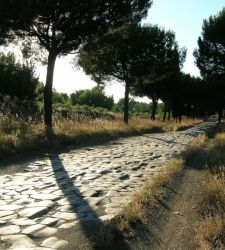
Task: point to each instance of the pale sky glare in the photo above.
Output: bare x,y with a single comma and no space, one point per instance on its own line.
183,17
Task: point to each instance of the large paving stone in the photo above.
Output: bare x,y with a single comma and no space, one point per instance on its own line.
19,241
22,222
54,243
9,207
7,230
45,232
113,193
45,197
33,212
5,213
45,203
68,225
89,193
69,201
38,231
69,216
50,221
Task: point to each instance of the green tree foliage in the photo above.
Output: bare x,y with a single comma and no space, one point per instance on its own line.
92,97
130,52
16,79
62,98
210,58
62,26
134,106
74,97
171,61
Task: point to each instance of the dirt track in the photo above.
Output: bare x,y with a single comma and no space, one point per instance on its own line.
173,226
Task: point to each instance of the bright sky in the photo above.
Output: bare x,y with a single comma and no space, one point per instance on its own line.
183,17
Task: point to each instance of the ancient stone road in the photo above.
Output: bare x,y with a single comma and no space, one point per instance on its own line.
82,185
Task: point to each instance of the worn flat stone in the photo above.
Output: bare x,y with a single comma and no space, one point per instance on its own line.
5,213
113,193
45,203
45,232
38,231
69,216
10,217
9,207
50,221
68,225
22,222
7,230
19,241
50,197
89,193
32,229
33,212
67,201
54,243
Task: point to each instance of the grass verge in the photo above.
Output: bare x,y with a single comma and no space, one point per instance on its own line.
211,231
18,136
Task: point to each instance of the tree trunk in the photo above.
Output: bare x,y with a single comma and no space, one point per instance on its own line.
126,102
154,108
169,114
48,93
220,114
164,112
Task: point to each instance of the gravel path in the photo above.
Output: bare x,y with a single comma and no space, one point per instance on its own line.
85,185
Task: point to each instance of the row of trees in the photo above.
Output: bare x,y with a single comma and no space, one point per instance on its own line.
134,55
148,60
112,45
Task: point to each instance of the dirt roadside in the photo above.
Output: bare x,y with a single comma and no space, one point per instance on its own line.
174,221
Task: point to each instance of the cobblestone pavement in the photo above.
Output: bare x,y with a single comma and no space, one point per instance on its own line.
82,185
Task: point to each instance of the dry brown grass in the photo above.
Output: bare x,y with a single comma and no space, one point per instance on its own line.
136,124
154,189
194,148
16,136
19,136
211,231
213,198
216,153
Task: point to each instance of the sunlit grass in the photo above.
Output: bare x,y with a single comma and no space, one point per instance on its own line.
153,190
211,231
17,135
194,148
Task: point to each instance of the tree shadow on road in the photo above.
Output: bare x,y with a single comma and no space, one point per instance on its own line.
90,225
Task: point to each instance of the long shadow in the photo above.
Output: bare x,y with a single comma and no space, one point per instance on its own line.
88,224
